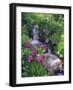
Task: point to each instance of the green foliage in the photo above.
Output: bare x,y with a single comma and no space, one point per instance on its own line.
60,48
39,51
24,35
34,69
25,52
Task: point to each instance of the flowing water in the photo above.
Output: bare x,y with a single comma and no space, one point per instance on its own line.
35,34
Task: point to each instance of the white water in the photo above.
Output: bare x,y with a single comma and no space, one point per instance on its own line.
35,38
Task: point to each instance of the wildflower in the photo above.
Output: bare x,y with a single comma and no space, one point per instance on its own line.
39,58
30,59
33,52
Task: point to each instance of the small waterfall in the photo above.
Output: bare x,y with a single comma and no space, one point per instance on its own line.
35,35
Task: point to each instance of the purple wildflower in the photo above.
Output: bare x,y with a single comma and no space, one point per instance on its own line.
30,59
39,58
33,52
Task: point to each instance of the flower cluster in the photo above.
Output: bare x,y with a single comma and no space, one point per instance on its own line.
36,54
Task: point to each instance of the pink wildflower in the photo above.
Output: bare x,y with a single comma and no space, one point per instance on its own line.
30,59
33,52
39,58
